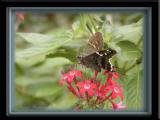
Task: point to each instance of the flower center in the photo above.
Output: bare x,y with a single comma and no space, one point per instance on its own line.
116,90
86,86
72,73
65,77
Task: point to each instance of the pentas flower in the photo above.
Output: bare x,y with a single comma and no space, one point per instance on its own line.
109,81
76,73
111,74
118,106
75,92
116,91
94,88
101,92
86,86
69,77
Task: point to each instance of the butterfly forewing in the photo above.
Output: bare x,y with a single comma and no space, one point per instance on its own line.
95,43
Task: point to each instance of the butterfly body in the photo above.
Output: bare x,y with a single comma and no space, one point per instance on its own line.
96,57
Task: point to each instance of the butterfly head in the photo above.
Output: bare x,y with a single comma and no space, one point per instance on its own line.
110,53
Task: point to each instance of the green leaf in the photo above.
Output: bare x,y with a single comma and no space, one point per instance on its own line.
24,101
68,53
50,65
133,91
35,38
66,102
35,54
129,50
43,88
132,32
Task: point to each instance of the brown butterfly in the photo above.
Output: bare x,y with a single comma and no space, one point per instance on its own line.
96,57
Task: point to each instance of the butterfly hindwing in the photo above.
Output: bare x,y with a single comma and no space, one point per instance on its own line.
90,61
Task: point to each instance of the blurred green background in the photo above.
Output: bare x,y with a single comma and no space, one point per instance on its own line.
47,43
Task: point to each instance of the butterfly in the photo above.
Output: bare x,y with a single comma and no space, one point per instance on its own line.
96,56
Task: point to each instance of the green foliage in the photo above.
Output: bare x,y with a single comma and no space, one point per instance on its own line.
40,58
133,91
41,48
129,50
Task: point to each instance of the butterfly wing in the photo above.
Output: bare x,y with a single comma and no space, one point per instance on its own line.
90,61
104,61
108,65
95,43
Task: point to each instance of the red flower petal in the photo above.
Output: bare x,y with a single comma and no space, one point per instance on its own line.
90,92
109,81
118,105
73,90
86,86
75,73
113,95
115,75
80,84
70,76
70,79
105,72
82,91
65,76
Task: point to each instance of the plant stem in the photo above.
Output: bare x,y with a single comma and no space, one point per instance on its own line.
140,40
125,64
92,22
105,99
87,98
75,81
96,100
133,65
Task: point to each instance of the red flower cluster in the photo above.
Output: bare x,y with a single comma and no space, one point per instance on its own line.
88,89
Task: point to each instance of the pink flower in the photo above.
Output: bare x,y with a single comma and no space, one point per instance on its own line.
70,76
116,91
101,92
118,106
75,73
115,75
86,86
73,91
111,74
109,81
